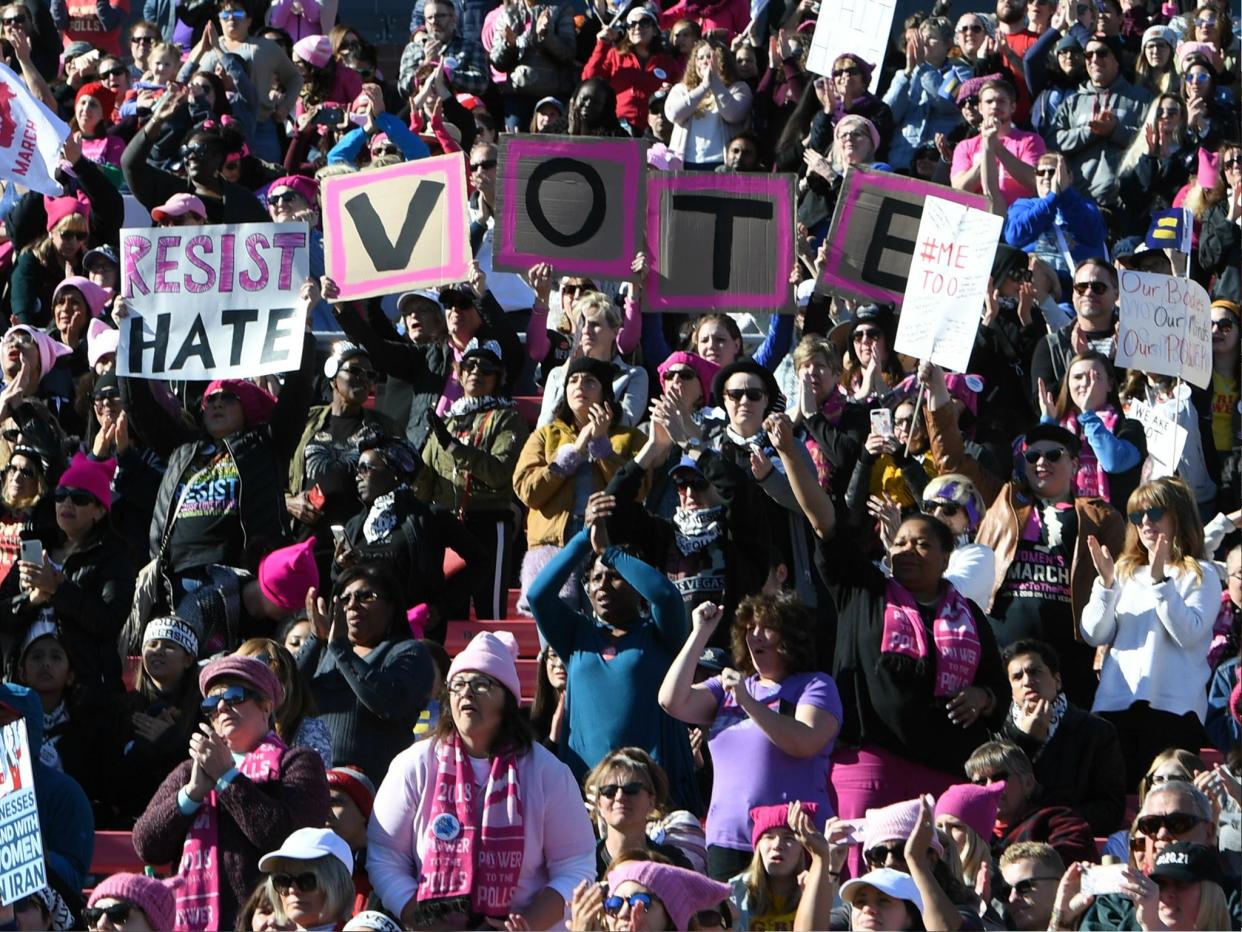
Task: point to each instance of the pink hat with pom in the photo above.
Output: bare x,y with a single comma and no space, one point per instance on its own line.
94,476
683,892
974,806
493,653
100,340
95,296
49,350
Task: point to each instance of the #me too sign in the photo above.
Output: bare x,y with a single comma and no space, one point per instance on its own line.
212,302
22,871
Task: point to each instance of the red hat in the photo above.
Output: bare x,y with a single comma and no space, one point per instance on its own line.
766,818
973,806
286,574
356,785
257,404
94,476
101,92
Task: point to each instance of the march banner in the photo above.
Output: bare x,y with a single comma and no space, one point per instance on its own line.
30,136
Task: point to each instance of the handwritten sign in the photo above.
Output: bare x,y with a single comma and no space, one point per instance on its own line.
858,26
1166,439
947,284
1165,327
212,302
22,871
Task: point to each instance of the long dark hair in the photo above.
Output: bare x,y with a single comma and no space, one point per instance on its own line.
546,700
799,122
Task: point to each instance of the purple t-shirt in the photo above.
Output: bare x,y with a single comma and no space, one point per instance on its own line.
751,771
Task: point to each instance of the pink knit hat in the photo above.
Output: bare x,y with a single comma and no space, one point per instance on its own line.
101,339
94,476
249,670
58,208
152,896
704,367
975,806
49,350
94,295
286,574
765,818
257,404
896,823
314,50
682,892
417,618
308,188
493,653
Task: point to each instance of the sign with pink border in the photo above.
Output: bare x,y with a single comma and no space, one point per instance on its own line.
398,228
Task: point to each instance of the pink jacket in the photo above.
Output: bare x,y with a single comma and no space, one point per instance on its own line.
298,25
560,845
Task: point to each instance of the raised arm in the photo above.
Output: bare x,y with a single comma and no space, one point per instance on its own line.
682,698
555,619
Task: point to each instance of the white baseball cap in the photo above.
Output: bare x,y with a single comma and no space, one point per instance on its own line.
308,844
898,885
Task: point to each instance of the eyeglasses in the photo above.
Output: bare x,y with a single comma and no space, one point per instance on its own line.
1052,455
235,15
975,27
363,467
361,596
476,687
285,197
117,913
1175,823
846,72
479,366
306,883
232,697
1151,514
680,375
950,509
750,394
1198,77
24,472
1097,53
1224,325
79,497
879,855
1026,887
1095,287
113,72
357,372
485,165
867,333
613,904
986,779
1022,275
633,788
693,483
141,40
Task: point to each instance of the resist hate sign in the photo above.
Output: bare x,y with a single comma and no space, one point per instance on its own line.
22,871
1165,327
212,302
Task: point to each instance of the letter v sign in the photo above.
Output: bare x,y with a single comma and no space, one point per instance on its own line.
386,255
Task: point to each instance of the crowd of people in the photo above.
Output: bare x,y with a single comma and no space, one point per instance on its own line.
830,637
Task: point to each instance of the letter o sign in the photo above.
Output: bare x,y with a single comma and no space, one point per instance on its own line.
595,216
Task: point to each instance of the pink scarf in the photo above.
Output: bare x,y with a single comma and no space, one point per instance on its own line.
832,408
1091,481
956,641
198,896
480,859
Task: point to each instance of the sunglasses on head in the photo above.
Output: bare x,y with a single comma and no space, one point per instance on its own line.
1050,456
950,509
1095,287
306,883
750,394
879,855
1176,823
79,497
1151,514
1025,888
613,904
233,696
633,788
117,913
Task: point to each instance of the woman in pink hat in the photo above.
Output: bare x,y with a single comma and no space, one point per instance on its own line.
436,860
41,267
645,896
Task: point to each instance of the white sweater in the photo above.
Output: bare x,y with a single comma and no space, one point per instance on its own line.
1159,637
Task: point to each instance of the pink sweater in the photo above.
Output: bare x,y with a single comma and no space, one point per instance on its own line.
560,845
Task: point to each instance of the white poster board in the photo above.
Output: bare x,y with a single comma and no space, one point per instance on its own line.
22,871
858,26
212,302
1165,327
947,284
1165,439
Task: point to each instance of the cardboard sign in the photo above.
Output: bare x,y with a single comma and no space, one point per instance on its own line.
576,203
947,284
22,871
1165,439
719,242
30,136
1165,327
858,26
398,228
212,302
874,231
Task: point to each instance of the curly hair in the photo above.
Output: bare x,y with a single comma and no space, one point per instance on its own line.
783,613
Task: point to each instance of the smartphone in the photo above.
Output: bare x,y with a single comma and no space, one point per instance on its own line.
32,551
329,116
1100,879
882,422
338,533
855,837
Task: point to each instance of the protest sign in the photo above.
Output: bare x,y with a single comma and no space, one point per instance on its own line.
574,202
719,242
874,229
1166,439
858,26
1165,327
30,136
397,228
22,871
947,283
212,302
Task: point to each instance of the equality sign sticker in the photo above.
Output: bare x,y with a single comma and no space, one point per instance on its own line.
22,871
397,228
576,203
212,302
1165,327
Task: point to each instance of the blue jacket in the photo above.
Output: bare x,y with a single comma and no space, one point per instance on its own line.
1029,226
350,145
919,108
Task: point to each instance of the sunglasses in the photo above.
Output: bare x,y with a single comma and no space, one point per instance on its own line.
235,15
1097,53
113,72
1233,162
361,596
195,151
613,904
79,497
357,372
879,855
1045,173
639,24
750,394
476,687
24,471
1206,23
1021,275
1081,288
365,468
285,197
138,40
985,779
975,28
970,101
1198,77
484,165
1151,514
14,21
846,72
1176,823
950,509
1024,888
633,788
233,696
680,375
73,234
117,913
1051,456
11,434
1224,325
306,883
479,366
1169,112
384,150
108,394
693,483
20,338
220,398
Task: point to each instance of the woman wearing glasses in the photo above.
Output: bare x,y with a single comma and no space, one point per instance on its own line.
310,880
241,793
130,902
24,503
1159,162
368,678
1220,240
1208,123
428,846
845,93
1153,605
41,266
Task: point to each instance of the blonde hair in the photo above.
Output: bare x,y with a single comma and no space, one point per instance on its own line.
1138,148
165,49
813,345
1173,495
1200,199
334,880
590,301
972,853
759,889
45,250
1213,908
